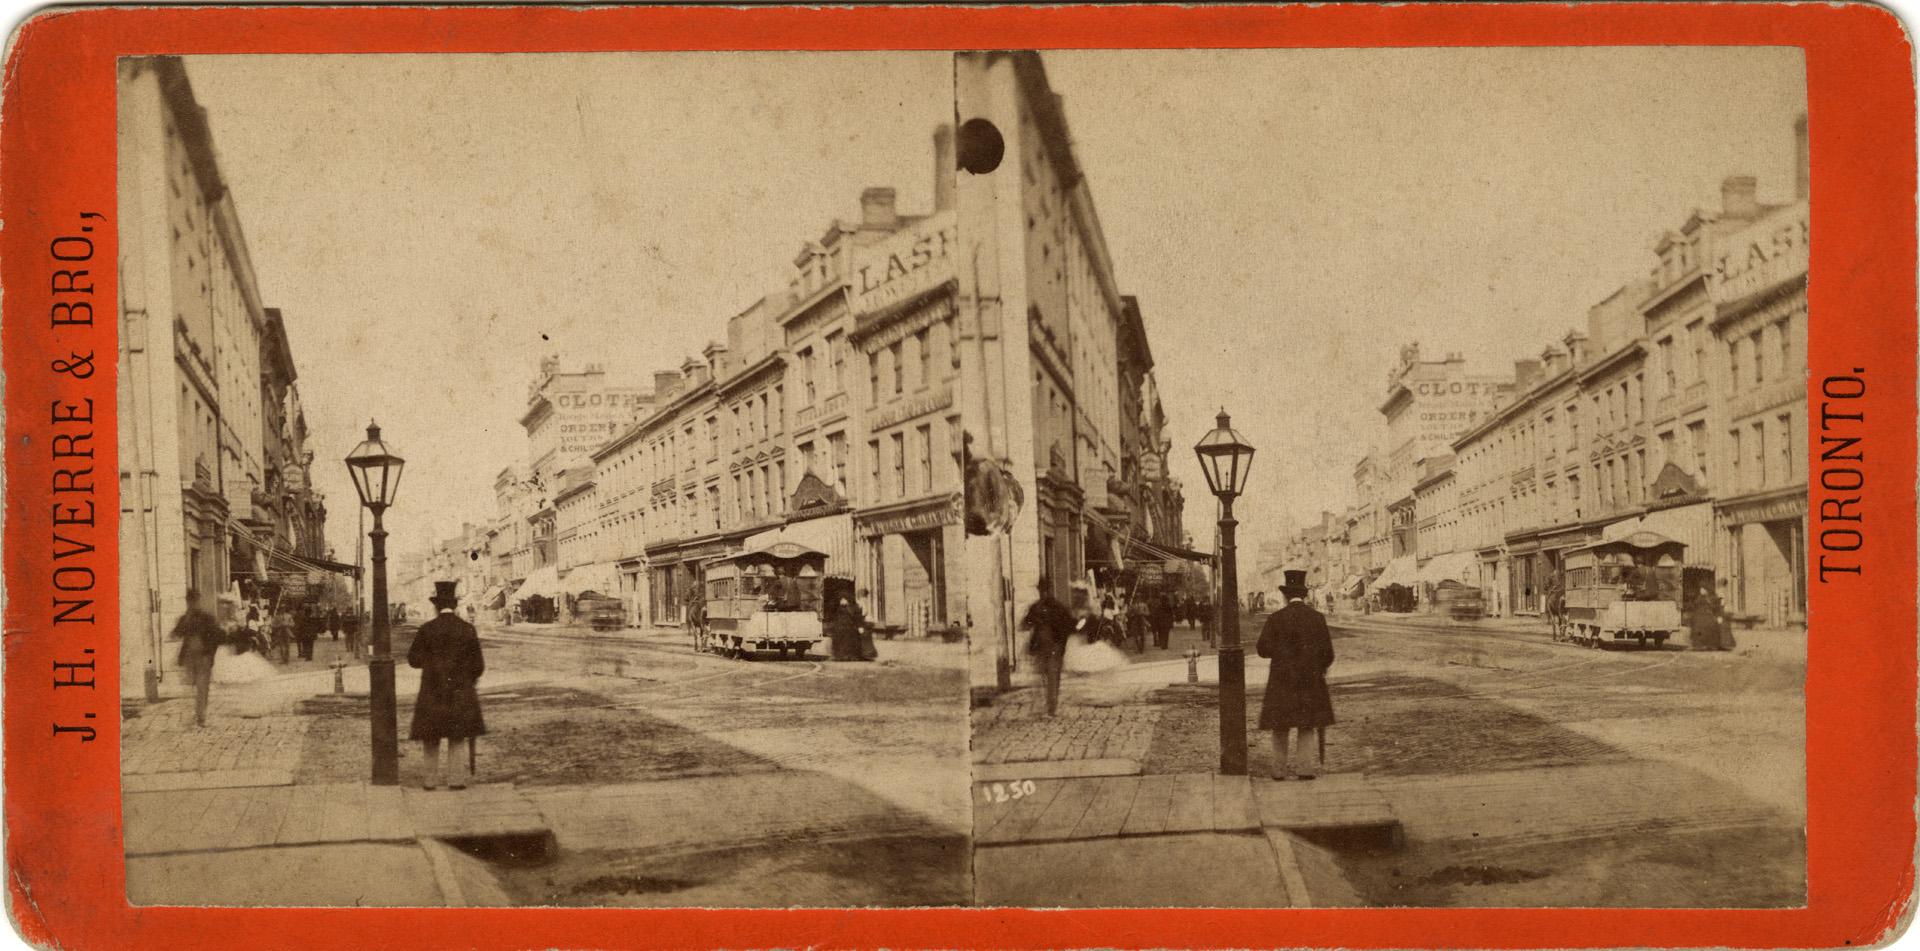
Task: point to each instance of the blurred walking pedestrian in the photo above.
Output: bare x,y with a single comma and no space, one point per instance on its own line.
446,650
1050,624
306,631
199,637
1296,642
283,634
1160,615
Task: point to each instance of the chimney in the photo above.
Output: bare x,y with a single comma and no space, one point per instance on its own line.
1525,374
1576,343
713,353
1801,165
694,371
876,209
665,382
943,167
1739,196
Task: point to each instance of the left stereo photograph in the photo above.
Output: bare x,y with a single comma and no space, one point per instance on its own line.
542,481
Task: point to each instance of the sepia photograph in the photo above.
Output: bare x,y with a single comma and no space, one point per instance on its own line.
1393,483
543,481
1059,479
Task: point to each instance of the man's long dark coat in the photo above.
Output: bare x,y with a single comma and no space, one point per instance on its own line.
447,652
1299,650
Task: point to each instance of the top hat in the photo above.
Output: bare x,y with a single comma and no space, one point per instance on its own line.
1295,582
443,594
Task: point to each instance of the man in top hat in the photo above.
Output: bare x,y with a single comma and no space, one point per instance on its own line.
1299,649
447,652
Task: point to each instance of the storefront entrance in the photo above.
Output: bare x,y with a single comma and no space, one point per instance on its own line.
909,581
1770,572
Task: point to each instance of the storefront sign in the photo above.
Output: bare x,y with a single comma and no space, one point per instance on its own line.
911,260
925,516
1764,254
1774,510
908,409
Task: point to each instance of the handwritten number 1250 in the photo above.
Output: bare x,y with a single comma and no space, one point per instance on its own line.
1002,792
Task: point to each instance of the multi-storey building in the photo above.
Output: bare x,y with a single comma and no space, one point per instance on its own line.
828,418
1059,398
212,441
1758,284
1678,410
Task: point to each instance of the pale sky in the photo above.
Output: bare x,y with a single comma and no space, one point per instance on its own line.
1289,218
430,225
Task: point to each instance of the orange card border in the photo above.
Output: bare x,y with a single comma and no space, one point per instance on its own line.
67,881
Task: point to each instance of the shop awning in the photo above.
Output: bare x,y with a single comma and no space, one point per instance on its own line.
543,582
1401,571
1139,549
1690,525
1353,585
1461,566
829,534
493,598
597,576
279,561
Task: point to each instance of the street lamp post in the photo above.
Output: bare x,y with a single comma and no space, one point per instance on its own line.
376,476
1225,459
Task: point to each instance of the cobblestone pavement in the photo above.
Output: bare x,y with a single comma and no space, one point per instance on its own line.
1016,729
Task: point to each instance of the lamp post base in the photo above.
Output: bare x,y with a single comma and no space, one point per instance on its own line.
1233,711
386,722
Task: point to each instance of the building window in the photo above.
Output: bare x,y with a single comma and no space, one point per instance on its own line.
713,437
781,499
1666,365
925,463
807,370
1733,460
837,448
1697,336
1759,358
806,457
1697,437
837,350
899,441
924,348
1785,428
898,362
953,343
873,470
1787,369
1760,454
1733,366
766,418
873,378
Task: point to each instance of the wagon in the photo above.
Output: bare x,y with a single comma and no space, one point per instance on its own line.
1625,591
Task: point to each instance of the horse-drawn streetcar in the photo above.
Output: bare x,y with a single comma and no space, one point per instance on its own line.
765,601
1624,591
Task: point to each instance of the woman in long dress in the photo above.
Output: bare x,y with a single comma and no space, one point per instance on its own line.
235,662
1094,653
